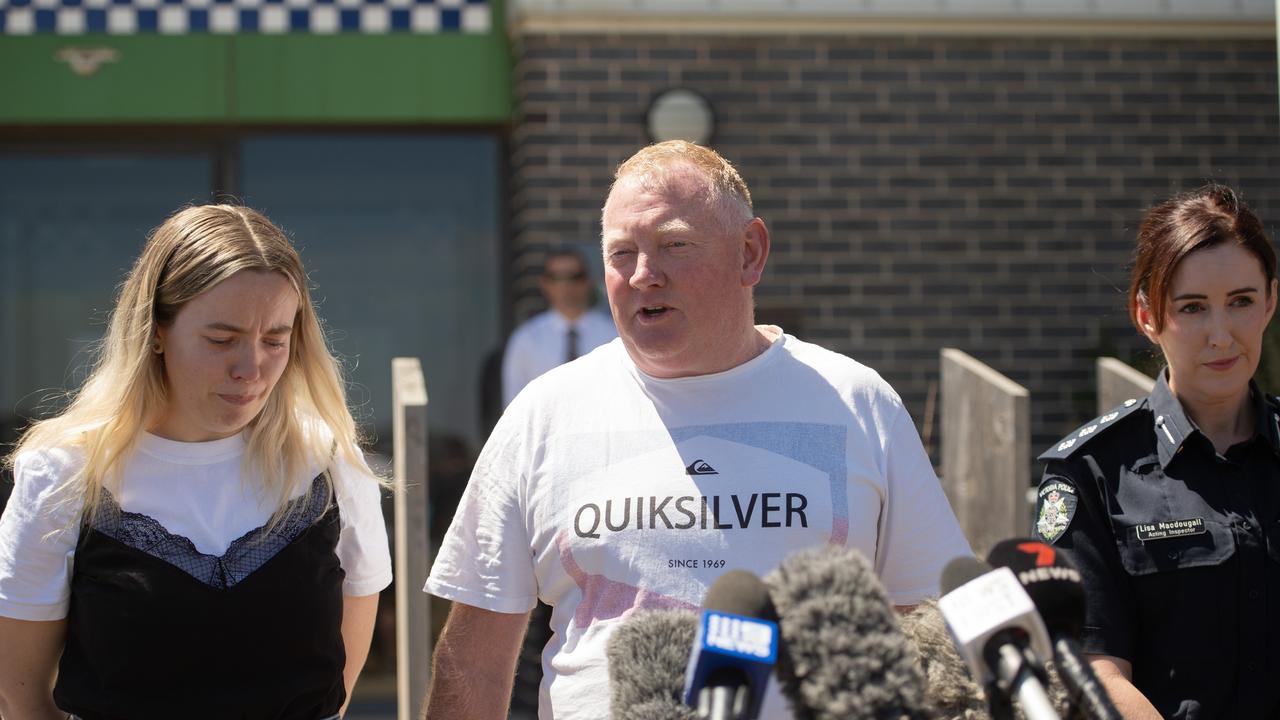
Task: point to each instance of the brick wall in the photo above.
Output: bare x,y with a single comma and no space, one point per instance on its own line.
922,192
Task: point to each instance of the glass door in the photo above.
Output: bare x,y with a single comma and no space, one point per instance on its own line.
401,236
71,223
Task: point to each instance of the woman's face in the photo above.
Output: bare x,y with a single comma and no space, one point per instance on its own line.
1219,304
223,354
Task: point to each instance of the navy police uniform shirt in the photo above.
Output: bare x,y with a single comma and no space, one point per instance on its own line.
1179,548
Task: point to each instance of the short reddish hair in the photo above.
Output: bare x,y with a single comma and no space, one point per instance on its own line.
724,185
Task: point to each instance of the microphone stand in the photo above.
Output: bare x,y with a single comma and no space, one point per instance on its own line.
1081,682
999,706
1015,667
723,700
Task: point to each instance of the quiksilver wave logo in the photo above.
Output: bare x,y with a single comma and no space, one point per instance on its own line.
700,467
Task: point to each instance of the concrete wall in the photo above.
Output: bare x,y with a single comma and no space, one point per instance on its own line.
412,547
986,450
1118,382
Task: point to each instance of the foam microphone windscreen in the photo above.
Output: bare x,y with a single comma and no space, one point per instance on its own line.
844,655
950,692
647,654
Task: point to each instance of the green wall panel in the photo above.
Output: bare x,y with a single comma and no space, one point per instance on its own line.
155,78
294,78
451,78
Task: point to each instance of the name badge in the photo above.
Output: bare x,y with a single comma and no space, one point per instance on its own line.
1164,529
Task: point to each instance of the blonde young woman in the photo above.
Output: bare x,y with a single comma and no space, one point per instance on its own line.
197,535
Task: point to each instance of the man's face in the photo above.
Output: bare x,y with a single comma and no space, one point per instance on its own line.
679,275
566,285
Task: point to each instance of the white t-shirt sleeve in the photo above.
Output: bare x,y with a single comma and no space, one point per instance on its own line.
38,534
919,533
486,559
362,545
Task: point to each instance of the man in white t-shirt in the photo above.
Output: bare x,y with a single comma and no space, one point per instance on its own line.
565,331
696,443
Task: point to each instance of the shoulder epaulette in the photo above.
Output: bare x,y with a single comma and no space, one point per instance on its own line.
1077,438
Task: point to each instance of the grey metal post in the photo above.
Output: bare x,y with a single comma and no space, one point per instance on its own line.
1118,382
413,552
986,450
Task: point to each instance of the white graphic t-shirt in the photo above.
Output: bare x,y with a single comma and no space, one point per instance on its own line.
603,491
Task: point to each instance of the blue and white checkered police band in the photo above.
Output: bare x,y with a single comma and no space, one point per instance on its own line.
180,17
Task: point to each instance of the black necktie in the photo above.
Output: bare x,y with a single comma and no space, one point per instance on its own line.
571,348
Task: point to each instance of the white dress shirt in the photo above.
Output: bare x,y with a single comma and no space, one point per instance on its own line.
542,343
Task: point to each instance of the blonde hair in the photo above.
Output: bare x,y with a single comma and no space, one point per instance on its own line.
193,250
656,164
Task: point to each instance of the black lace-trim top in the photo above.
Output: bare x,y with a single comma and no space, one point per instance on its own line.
244,555
157,630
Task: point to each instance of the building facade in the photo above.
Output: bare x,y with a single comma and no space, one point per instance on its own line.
935,173
965,174
373,132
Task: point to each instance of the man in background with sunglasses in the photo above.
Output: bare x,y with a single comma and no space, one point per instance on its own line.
569,328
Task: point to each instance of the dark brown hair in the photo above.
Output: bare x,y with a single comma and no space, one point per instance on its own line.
1189,221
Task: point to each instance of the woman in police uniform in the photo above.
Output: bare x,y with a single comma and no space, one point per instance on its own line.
1170,504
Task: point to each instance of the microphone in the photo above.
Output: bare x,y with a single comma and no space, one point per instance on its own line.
734,649
647,655
1054,585
844,655
999,635
950,692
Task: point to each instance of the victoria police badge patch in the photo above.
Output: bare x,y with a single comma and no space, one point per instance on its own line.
1055,506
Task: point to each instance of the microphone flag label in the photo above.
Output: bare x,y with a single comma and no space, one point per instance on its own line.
985,606
1044,553
751,638
739,644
